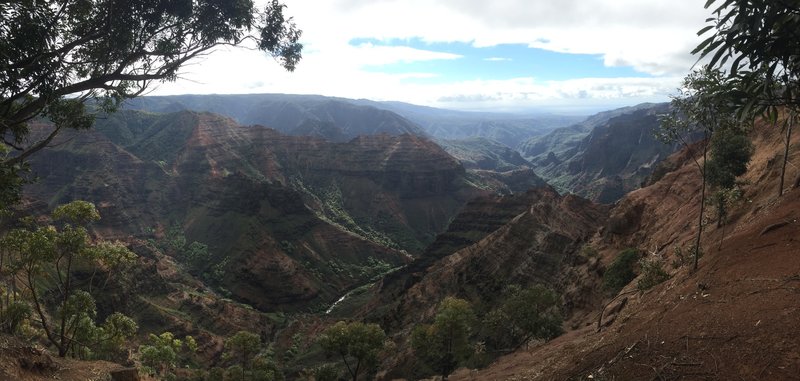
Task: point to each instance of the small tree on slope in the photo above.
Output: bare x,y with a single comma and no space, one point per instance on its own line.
703,105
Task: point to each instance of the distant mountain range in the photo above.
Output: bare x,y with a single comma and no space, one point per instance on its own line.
332,119
340,119
506,128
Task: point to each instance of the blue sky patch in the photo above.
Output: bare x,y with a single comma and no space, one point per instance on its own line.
497,63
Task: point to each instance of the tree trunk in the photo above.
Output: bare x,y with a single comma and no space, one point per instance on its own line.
65,341
702,207
786,152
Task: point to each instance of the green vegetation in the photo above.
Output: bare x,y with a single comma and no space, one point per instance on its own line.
164,352
620,272
705,104
58,57
357,344
755,41
652,274
11,181
523,314
444,345
42,259
324,372
334,212
195,256
241,348
588,251
249,359
730,152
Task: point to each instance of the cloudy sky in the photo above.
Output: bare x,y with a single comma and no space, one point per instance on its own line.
570,56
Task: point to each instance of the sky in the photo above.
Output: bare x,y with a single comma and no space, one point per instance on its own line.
565,56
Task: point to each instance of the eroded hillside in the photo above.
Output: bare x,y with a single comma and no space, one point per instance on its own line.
293,221
734,318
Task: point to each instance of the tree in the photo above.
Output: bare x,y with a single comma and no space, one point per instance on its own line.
11,182
242,347
620,272
757,42
250,360
358,344
704,104
162,352
730,153
44,257
445,344
524,314
57,55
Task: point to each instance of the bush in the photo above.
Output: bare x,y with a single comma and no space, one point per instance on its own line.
356,343
523,314
444,345
620,273
652,274
13,315
325,372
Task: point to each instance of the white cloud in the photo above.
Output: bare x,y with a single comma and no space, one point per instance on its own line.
653,36
497,59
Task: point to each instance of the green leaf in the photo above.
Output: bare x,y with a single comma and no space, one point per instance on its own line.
704,30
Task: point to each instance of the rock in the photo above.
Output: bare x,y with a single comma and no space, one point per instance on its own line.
125,374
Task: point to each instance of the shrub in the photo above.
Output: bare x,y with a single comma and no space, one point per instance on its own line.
444,345
325,372
620,273
652,274
356,343
523,314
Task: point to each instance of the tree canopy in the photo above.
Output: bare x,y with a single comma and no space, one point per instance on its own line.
55,55
358,344
524,314
42,259
444,345
758,41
